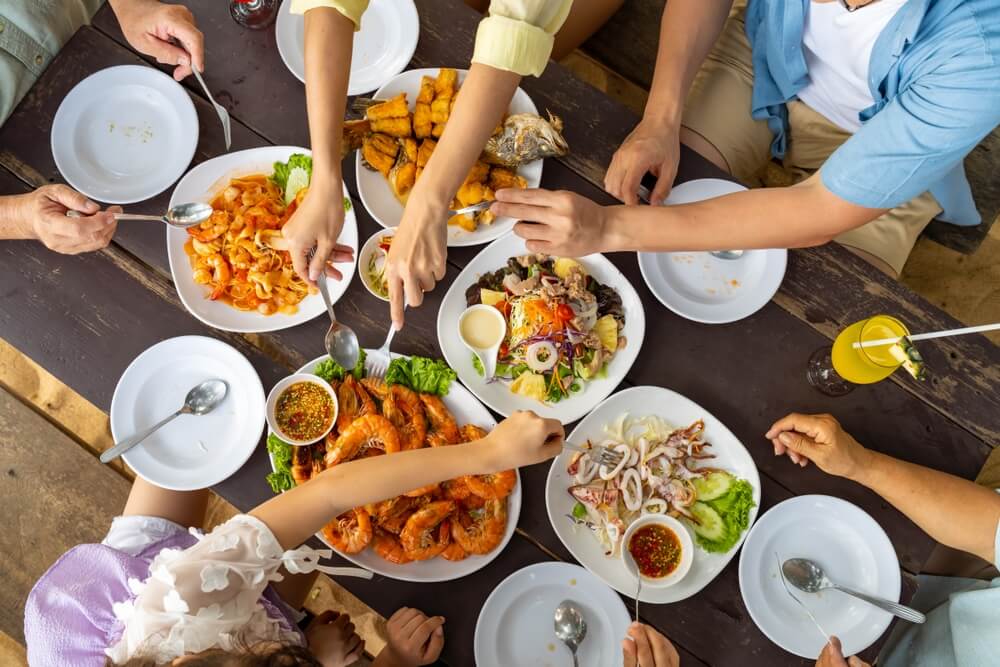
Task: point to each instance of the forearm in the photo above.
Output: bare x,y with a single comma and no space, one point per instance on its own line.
954,511
300,512
790,217
329,37
688,29
12,222
481,105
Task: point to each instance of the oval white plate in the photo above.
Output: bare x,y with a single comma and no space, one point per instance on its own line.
467,410
497,395
706,289
201,184
680,412
377,196
515,623
853,550
124,134
191,452
382,48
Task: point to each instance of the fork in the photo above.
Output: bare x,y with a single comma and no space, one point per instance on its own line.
378,360
475,208
605,456
219,109
800,602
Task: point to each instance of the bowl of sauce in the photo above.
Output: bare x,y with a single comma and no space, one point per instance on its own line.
661,547
301,409
482,328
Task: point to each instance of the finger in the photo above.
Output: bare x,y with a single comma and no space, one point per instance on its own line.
399,615
334,272
439,272
397,304
318,262
352,644
327,616
629,654
424,631
533,231
71,199
661,647
543,247
166,53
356,653
523,211
808,424
531,196
412,624
435,645
855,661
414,294
192,40
341,253
644,652
664,182
631,181
301,264
614,175
798,443
342,620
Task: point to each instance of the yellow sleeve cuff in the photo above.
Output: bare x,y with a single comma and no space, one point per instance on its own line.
352,9
511,45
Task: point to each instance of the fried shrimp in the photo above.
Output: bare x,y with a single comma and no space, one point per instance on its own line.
388,547
403,408
427,533
493,486
454,552
441,420
480,531
350,532
369,431
353,402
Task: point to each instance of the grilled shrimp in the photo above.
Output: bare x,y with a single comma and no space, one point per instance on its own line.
454,552
369,431
441,420
388,547
350,532
353,402
302,464
481,531
402,407
427,533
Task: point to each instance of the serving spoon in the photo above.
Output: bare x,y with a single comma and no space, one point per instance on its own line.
340,341
570,627
181,216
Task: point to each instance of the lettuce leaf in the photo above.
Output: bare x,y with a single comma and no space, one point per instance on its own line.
422,375
282,169
328,369
281,479
734,507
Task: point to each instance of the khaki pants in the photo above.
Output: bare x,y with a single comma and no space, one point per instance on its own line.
718,109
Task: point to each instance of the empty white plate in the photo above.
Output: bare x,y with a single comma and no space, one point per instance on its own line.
191,452
707,289
124,134
382,48
515,623
853,550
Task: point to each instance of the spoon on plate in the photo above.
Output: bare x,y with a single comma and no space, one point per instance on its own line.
201,400
808,576
570,627
340,341
181,216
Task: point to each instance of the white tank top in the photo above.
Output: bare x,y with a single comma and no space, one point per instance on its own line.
837,45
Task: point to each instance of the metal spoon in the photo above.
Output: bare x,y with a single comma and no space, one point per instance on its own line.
201,400
181,216
341,342
727,254
808,576
570,627
633,569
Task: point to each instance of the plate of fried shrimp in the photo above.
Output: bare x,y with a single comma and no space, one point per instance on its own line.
437,533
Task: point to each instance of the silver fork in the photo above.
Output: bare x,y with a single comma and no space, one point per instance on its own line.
378,360
605,456
475,208
219,109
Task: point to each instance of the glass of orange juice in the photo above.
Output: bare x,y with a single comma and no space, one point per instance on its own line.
835,370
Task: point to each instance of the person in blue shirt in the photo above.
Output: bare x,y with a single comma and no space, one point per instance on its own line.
871,104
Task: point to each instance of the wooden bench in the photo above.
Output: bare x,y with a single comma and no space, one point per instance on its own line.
627,44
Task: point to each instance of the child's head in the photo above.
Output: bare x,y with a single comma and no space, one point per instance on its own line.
262,654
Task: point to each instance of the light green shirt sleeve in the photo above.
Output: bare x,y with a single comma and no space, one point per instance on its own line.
518,35
352,9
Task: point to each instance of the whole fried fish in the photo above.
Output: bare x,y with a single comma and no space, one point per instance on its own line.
525,137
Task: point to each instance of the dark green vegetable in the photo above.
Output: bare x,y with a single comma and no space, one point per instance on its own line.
422,375
328,369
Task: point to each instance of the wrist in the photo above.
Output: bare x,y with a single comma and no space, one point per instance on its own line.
432,208
617,233
864,466
663,115
15,212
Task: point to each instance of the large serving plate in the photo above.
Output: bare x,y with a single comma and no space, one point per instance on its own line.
201,184
378,197
381,49
467,410
679,412
497,395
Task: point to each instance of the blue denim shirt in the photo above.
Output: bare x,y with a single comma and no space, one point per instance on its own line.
935,78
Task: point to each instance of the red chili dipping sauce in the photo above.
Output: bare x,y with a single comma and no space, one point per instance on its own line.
656,550
304,411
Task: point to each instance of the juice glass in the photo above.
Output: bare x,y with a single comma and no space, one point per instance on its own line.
835,371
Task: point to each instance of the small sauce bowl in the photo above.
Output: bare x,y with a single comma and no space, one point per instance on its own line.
279,389
369,251
683,536
482,329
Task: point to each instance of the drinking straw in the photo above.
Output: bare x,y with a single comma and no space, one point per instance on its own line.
928,336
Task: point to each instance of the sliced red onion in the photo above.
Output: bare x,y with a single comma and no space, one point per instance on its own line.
533,359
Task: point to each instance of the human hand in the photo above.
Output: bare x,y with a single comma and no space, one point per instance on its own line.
820,439
152,27
645,647
316,225
332,640
414,639
522,439
42,215
417,256
653,147
833,657
556,223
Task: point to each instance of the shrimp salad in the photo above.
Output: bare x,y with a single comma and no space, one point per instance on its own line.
563,326
662,470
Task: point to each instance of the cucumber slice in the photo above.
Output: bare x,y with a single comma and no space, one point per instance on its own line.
298,178
713,485
710,525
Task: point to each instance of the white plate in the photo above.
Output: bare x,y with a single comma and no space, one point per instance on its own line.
124,134
377,196
515,623
191,452
679,412
467,410
382,48
497,395
200,185
707,289
853,550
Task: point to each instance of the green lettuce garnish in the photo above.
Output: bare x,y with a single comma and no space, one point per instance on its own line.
422,375
734,507
281,479
328,369
283,169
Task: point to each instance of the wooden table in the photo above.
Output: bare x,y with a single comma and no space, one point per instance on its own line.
85,318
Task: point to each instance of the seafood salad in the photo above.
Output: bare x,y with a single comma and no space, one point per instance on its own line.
398,144
661,470
375,269
563,327
453,519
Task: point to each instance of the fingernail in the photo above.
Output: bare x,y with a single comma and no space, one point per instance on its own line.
438,631
785,438
91,204
183,60
770,434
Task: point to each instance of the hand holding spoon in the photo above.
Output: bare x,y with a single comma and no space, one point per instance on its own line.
181,216
201,400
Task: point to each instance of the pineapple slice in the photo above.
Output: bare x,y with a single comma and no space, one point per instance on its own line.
907,355
491,297
606,329
563,265
531,385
